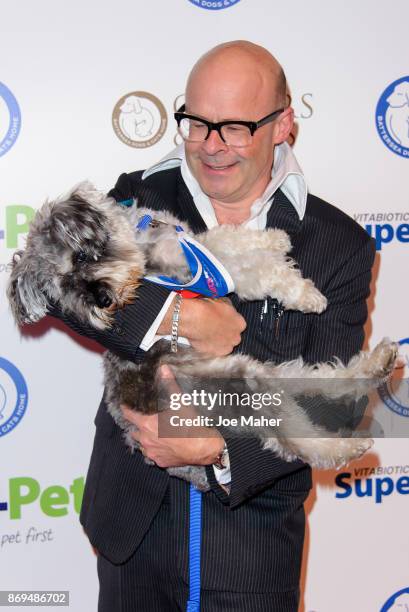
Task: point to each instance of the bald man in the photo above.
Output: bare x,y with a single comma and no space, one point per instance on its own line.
235,167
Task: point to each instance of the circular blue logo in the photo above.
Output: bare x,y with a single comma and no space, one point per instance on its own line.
392,116
398,601
13,396
14,121
214,5
395,392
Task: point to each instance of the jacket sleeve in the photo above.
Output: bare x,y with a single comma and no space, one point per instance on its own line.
132,322
337,332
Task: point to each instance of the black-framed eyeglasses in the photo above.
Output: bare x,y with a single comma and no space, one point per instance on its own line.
232,132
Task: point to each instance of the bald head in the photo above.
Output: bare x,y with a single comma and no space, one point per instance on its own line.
250,67
239,83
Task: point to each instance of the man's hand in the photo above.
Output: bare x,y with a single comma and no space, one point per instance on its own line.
178,451
213,327
172,452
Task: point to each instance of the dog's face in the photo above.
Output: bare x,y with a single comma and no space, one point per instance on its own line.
81,254
132,104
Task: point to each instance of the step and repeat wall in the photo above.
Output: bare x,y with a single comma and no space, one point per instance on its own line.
88,91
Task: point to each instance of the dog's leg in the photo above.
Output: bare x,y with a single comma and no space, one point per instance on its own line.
365,371
297,436
293,435
166,257
322,453
160,244
191,473
272,275
259,267
369,367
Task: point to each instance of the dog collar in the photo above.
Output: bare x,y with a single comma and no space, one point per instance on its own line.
209,277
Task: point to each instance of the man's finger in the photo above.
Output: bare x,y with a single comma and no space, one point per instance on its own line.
130,415
168,379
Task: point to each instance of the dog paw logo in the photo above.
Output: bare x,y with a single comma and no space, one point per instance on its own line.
214,5
395,392
139,119
398,602
10,119
392,117
13,396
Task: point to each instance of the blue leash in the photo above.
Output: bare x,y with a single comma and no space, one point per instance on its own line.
213,280
195,532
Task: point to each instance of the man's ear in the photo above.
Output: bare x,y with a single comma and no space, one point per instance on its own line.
283,126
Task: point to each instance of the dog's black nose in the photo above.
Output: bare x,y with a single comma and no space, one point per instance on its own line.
100,293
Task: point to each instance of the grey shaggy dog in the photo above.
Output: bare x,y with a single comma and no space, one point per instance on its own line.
84,254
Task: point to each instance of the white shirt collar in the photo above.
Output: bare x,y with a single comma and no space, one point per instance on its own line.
286,175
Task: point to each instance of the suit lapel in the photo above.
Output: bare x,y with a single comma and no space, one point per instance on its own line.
188,210
283,215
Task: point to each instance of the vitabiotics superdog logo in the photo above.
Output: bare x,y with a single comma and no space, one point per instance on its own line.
10,119
13,396
214,5
392,116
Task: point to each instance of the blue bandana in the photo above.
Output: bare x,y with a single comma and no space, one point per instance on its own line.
209,277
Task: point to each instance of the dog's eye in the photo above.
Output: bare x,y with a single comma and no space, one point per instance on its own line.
80,257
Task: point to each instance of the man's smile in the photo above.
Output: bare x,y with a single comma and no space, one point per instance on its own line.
218,168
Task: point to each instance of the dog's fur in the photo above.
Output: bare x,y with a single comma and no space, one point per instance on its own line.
83,253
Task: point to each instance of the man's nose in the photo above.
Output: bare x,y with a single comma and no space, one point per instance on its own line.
214,143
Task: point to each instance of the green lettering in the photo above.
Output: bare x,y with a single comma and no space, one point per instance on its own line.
77,490
13,226
54,496
18,498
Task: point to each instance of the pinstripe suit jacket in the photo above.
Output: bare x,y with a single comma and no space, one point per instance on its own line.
123,494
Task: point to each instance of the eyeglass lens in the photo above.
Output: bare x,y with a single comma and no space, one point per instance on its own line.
233,134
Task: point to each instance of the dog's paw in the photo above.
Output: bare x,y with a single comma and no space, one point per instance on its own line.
356,447
310,298
345,450
382,359
330,453
275,239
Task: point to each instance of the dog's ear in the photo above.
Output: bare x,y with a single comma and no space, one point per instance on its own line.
88,192
27,302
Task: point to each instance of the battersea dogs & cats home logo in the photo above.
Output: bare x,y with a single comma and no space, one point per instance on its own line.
139,119
398,602
214,5
392,116
13,396
10,119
